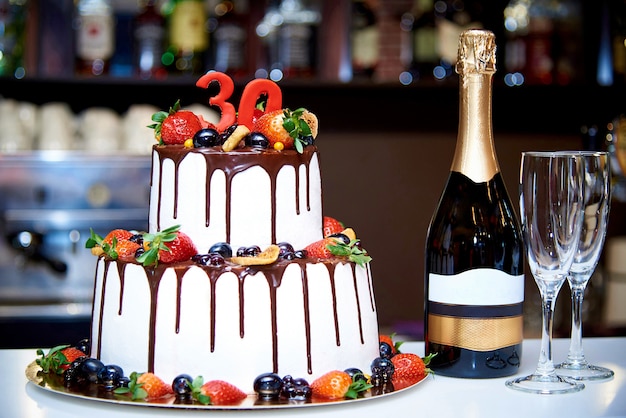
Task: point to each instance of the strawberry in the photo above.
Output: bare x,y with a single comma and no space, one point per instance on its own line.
167,246
332,247
175,126
154,386
337,384
286,129
332,226
58,358
145,386
126,250
256,114
119,234
222,393
115,245
409,369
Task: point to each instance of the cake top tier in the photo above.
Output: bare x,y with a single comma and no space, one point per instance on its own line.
260,121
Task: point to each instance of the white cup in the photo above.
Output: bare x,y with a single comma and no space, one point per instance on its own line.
56,129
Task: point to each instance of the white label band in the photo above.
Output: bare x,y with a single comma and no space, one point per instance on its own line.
476,287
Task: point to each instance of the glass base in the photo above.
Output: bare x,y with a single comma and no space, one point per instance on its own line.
583,371
544,384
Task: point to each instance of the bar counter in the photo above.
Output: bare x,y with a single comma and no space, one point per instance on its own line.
437,396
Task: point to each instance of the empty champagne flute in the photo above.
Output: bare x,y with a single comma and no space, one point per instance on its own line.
551,213
597,198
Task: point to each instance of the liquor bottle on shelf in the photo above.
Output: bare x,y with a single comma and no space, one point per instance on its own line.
474,266
364,40
95,36
289,34
13,17
148,41
188,37
229,47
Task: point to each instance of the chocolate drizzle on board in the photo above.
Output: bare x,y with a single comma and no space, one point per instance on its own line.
273,274
232,163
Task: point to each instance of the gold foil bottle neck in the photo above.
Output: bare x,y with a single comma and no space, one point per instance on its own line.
475,154
477,52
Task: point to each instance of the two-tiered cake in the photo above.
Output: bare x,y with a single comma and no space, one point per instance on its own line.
298,313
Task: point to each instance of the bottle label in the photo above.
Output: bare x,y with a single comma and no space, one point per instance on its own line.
187,26
479,309
96,38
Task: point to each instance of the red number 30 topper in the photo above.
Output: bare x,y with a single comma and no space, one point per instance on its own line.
251,93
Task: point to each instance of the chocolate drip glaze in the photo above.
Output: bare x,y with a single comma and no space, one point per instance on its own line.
358,300
154,280
120,271
273,274
105,274
233,163
331,273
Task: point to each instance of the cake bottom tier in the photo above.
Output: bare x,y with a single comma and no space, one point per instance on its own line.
234,323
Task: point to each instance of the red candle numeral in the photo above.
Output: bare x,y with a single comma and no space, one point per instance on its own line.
251,93
229,115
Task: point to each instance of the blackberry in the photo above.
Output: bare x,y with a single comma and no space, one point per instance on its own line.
109,376
382,371
296,389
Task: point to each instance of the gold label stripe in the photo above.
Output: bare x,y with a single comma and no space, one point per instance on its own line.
477,334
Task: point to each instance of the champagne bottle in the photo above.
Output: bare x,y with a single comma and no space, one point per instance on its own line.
474,267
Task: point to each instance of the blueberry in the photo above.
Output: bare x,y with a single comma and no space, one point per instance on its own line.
206,137
285,247
222,248
181,385
300,254
216,259
256,140
386,351
90,368
252,251
268,385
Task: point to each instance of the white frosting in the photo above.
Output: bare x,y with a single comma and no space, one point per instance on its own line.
251,201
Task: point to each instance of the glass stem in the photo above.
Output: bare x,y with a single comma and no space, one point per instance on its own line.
576,354
549,293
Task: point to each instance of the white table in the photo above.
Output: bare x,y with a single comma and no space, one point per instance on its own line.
437,397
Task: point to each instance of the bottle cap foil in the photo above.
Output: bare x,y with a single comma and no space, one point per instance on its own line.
477,52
